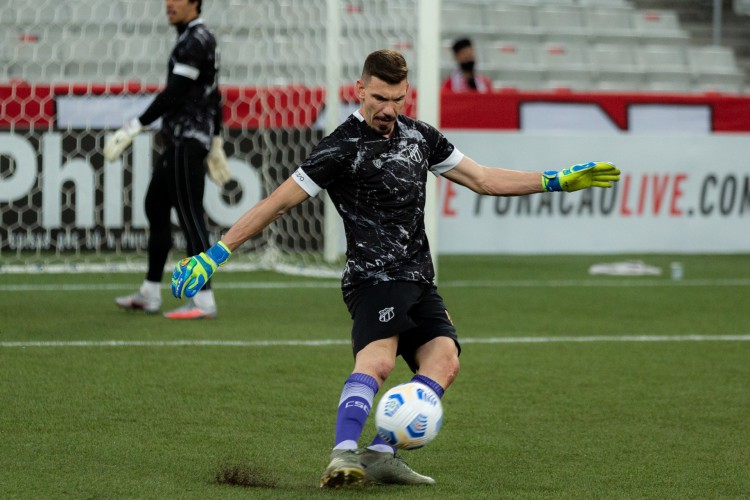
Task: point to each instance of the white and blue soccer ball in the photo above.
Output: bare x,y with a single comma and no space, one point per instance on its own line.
409,415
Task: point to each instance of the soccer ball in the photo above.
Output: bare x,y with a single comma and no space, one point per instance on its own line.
409,415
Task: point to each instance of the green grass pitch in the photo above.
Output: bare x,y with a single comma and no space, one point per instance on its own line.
643,395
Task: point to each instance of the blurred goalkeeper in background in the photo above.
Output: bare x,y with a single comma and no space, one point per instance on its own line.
375,167
190,109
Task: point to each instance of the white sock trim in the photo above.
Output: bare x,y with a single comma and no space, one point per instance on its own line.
382,448
346,445
205,299
151,289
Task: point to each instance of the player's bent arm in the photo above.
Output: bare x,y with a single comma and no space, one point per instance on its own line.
284,198
494,181
192,273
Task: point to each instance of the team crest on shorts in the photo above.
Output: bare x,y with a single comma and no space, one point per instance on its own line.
386,314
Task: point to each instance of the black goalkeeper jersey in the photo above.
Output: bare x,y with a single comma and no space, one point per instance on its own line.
378,186
195,56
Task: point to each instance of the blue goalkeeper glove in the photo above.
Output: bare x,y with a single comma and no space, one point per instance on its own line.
191,273
594,174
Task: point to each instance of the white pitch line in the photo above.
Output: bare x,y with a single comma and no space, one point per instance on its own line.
250,285
84,287
327,342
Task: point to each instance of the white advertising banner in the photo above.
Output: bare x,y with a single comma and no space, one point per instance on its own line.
677,194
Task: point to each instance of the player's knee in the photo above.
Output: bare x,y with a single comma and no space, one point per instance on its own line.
451,368
440,362
383,367
377,367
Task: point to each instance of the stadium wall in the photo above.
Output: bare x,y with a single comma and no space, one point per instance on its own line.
685,186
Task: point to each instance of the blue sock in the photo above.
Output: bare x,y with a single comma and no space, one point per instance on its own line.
429,383
354,407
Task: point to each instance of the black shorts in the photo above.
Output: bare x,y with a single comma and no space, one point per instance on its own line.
413,311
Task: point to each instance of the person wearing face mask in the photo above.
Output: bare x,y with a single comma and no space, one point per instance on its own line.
464,77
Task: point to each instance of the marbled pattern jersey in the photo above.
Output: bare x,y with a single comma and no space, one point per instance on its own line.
378,186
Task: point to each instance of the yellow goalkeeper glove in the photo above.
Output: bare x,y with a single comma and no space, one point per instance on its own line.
594,174
191,273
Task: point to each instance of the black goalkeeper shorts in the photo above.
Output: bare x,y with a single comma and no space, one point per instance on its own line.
413,311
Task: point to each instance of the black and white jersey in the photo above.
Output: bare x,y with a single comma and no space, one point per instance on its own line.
195,56
378,186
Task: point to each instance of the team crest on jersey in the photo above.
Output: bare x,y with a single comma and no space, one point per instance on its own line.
386,314
414,153
377,162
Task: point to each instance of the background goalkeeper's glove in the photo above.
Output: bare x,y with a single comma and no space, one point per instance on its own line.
217,162
191,273
594,174
121,139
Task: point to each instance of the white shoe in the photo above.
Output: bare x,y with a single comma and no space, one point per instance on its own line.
192,311
389,468
150,305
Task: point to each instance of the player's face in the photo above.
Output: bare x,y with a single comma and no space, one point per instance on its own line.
381,103
181,11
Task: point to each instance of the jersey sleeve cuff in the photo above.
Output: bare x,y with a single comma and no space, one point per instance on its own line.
455,157
306,183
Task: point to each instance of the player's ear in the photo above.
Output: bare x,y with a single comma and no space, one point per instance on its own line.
361,90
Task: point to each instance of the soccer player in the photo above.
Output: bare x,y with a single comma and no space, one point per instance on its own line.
375,167
190,109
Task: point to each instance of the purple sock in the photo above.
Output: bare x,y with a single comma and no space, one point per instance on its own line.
354,407
429,383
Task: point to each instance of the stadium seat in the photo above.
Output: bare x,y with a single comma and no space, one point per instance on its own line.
512,22
144,58
95,17
565,62
619,4
659,27
88,57
223,19
665,67
561,23
378,15
148,18
616,66
510,63
37,72
29,14
463,20
715,68
610,25
25,47
555,2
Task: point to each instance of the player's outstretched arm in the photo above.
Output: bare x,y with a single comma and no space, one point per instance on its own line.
190,274
502,182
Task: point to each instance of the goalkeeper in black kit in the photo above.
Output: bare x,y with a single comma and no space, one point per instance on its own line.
375,167
190,109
